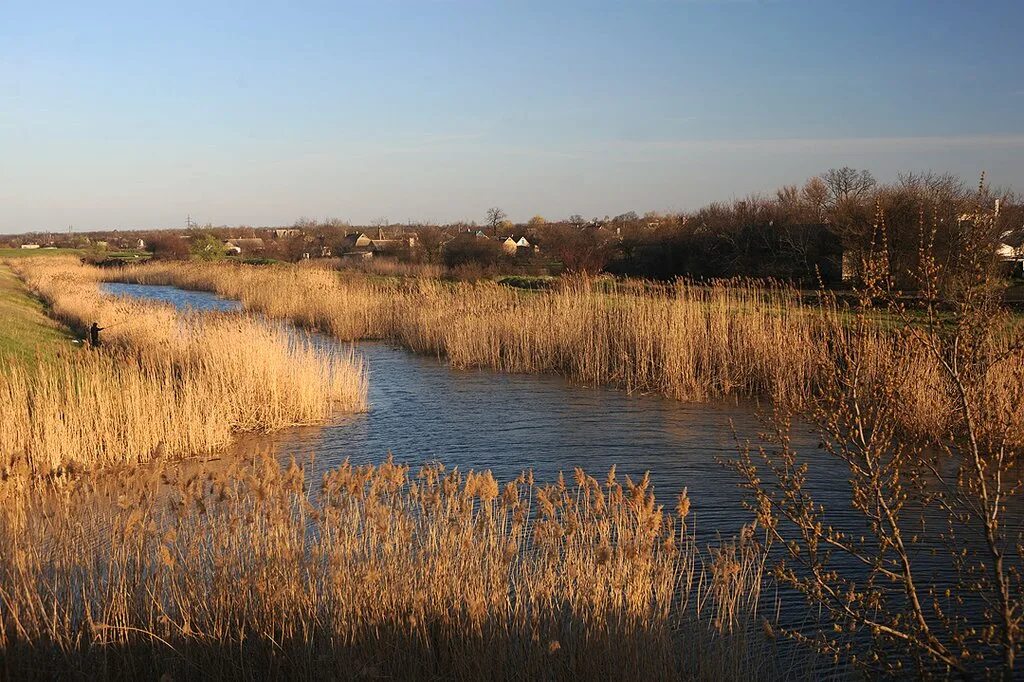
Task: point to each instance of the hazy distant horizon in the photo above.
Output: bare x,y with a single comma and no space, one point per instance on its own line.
118,116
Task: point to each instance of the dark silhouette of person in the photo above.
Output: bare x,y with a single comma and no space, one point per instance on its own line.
94,335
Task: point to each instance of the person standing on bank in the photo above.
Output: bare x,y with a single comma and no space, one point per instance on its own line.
94,335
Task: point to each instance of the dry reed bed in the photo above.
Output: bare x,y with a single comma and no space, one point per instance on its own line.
692,343
162,385
685,341
379,572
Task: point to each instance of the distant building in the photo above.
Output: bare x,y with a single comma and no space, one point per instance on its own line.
508,245
361,243
1011,253
523,246
30,246
249,244
356,240
244,245
384,243
286,232
516,246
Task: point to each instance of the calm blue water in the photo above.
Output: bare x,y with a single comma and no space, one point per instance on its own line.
180,298
422,410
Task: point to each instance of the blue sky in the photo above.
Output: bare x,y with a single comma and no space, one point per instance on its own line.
121,115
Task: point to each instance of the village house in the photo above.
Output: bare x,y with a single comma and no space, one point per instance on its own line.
383,243
508,245
244,245
523,246
1011,253
249,244
286,232
361,245
516,246
356,240
30,246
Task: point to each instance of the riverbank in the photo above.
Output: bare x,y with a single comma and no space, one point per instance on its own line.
375,570
280,535
26,334
688,342
163,385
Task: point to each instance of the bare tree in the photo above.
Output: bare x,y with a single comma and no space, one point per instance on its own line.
942,500
814,195
845,184
582,251
495,218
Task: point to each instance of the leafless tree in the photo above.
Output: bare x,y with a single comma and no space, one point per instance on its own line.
846,184
948,495
814,196
495,218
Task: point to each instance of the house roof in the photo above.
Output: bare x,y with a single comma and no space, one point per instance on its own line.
352,238
1013,238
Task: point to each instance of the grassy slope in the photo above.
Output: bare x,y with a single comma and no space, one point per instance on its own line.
24,327
35,253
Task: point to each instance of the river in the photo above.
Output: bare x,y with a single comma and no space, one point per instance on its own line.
422,410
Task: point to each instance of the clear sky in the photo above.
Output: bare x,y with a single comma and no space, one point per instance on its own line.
135,114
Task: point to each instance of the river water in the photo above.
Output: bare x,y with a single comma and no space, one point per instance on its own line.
422,410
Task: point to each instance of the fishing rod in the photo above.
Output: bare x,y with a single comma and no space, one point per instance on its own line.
110,326
116,324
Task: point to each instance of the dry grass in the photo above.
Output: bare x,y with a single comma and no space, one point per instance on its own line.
162,385
378,573
686,341
389,267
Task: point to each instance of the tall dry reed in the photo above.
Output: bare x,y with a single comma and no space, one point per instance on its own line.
685,341
379,572
163,384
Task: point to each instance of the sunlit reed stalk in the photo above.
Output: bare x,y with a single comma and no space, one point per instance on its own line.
246,572
162,384
684,340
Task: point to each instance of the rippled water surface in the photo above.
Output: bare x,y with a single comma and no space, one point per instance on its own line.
422,410
180,298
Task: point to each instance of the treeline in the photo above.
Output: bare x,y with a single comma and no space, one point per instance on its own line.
826,230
